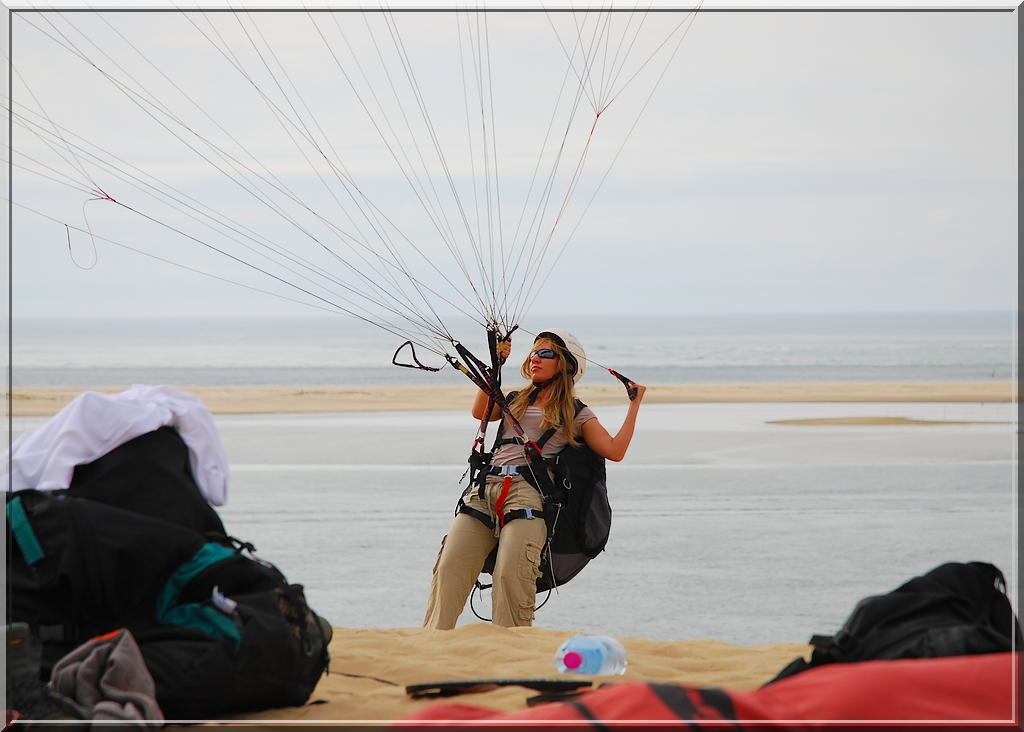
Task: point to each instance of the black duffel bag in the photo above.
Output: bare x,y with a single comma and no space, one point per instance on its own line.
133,544
954,610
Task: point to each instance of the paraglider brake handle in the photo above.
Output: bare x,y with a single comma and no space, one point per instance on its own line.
630,388
499,339
416,362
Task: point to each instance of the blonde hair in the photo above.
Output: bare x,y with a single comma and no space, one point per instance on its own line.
560,408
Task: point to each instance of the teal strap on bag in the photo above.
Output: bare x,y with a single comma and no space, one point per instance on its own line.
193,615
23,533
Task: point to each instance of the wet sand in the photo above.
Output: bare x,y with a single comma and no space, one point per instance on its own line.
41,401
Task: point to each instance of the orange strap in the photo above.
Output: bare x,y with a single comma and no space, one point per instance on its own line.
105,636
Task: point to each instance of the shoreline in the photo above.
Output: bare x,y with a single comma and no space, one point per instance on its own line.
47,401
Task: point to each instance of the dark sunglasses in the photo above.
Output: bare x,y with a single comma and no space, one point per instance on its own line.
546,353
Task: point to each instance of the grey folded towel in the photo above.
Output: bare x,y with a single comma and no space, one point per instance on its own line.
107,678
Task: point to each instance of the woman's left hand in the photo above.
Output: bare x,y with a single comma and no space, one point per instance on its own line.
614,448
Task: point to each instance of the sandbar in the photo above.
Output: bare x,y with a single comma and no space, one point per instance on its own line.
46,401
872,421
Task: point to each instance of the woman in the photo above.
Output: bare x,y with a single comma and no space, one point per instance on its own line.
555,364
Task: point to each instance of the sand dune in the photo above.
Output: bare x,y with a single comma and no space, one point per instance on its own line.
364,661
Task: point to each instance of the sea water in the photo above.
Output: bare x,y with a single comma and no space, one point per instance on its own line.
649,349
726,524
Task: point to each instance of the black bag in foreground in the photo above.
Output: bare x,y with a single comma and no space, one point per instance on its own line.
132,544
954,610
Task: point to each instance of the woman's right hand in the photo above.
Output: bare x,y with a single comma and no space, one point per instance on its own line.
504,349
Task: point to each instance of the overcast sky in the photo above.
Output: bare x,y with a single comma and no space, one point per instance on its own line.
785,162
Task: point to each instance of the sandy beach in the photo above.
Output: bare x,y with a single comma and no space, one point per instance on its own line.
41,402
370,668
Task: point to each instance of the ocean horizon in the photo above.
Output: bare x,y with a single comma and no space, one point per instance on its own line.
652,349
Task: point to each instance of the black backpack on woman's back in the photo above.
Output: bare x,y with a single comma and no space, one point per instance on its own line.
576,510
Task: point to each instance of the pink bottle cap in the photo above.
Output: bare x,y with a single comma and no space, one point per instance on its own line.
572,660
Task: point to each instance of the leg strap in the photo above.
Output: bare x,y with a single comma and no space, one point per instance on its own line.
519,513
522,513
478,515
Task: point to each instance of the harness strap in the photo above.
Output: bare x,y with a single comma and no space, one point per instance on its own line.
503,470
526,513
519,513
500,440
523,513
546,436
478,515
537,477
480,463
501,500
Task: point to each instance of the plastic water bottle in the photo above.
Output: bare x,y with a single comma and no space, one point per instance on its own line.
591,655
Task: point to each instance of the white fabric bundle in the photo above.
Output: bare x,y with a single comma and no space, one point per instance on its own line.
93,424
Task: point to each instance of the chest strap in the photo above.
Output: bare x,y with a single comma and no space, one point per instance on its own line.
506,470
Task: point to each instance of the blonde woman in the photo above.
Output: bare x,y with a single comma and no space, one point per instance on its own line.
554,365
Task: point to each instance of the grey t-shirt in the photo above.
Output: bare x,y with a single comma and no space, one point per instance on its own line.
513,454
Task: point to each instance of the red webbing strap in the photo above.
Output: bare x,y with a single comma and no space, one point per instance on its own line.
501,500
480,443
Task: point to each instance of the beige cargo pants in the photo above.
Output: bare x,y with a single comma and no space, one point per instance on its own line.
465,548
